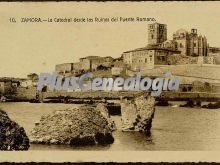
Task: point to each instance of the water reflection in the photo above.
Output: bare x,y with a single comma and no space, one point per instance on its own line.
173,128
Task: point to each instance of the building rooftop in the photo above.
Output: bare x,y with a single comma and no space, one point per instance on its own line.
12,79
151,47
181,31
90,57
95,57
156,23
64,63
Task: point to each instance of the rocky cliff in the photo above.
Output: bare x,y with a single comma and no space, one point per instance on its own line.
85,125
137,113
12,136
104,111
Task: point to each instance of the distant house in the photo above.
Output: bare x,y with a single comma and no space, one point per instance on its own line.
26,83
64,68
68,69
16,83
5,86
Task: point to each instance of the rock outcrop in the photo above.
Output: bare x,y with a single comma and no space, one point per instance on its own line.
104,111
12,136
137,113
162,103
212,105
84,125
191,104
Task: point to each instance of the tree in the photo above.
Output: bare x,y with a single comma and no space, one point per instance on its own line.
101,67
33,76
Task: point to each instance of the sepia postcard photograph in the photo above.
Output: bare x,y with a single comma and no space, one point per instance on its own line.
110,81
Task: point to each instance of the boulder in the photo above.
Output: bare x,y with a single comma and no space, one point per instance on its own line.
191,104
76,126
212,105
12,136
137,113
162,103
104,111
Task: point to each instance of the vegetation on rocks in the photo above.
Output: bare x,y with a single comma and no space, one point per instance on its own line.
84,125
12,136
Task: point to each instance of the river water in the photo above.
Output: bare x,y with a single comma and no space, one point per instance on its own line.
174,128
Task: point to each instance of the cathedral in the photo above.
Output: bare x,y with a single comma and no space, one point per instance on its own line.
188,43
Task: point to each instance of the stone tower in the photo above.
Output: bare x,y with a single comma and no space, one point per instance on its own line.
157,33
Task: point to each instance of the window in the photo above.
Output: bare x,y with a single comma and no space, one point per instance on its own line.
152,36
194,44
145,60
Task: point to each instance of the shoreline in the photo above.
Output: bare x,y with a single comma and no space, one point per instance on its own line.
110,105
168,124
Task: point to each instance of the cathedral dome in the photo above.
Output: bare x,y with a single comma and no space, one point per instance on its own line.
180,31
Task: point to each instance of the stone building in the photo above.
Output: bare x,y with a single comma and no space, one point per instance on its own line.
64,68
157,33
118,67
169,44
190,43
161,55
69,68
5,86
89,63
77,67
147,57
92,62
161,51
137,59
26,83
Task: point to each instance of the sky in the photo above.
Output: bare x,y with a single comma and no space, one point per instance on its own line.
37,47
